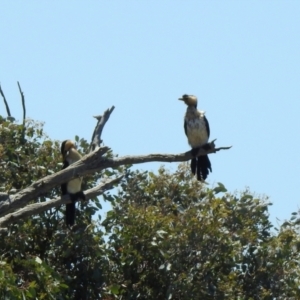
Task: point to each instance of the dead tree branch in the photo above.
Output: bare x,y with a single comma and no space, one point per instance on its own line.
24,112
36,208
13,207
96,138
90,164
23,103
5,102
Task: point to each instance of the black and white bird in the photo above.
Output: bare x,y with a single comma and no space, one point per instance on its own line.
196,128
72,187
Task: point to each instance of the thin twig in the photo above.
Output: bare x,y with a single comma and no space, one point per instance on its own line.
5,102
23,103
24,112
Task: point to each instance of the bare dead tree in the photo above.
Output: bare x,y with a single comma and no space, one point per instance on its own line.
15,207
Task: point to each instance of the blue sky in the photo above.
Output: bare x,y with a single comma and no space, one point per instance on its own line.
241,58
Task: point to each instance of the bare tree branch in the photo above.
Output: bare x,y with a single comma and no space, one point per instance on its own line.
23,103
96,138
90,164
24,112
5,102
39,187
36,208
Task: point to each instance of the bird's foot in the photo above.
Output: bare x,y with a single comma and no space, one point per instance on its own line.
207,146
79,195
194,151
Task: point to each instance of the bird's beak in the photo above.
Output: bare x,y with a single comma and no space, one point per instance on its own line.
180,99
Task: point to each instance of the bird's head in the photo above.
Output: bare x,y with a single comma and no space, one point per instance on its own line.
189,100
66,146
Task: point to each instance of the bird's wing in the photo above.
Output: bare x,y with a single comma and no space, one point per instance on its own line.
185,128
64,185
207,126
66,164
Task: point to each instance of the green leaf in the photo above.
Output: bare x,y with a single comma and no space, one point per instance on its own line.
114,289
220,188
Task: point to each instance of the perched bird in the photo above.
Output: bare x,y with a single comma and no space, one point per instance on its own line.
196,128
72,187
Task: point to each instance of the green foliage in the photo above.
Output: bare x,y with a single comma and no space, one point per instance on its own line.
40,257
173,238
167,236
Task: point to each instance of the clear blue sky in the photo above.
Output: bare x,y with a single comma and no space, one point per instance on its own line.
74,59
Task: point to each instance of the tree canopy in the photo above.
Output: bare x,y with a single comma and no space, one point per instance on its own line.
167,236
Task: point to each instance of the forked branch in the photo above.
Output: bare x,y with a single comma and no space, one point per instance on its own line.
13,207
89,164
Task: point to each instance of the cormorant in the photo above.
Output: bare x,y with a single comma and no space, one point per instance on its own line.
72,187
196,128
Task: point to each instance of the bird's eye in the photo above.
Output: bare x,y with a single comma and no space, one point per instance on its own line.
185,96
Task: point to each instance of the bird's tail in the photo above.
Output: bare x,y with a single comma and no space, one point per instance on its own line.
70,213
194,165
71,209
203,167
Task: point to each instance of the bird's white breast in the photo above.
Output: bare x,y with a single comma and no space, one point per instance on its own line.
74,186
196,129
